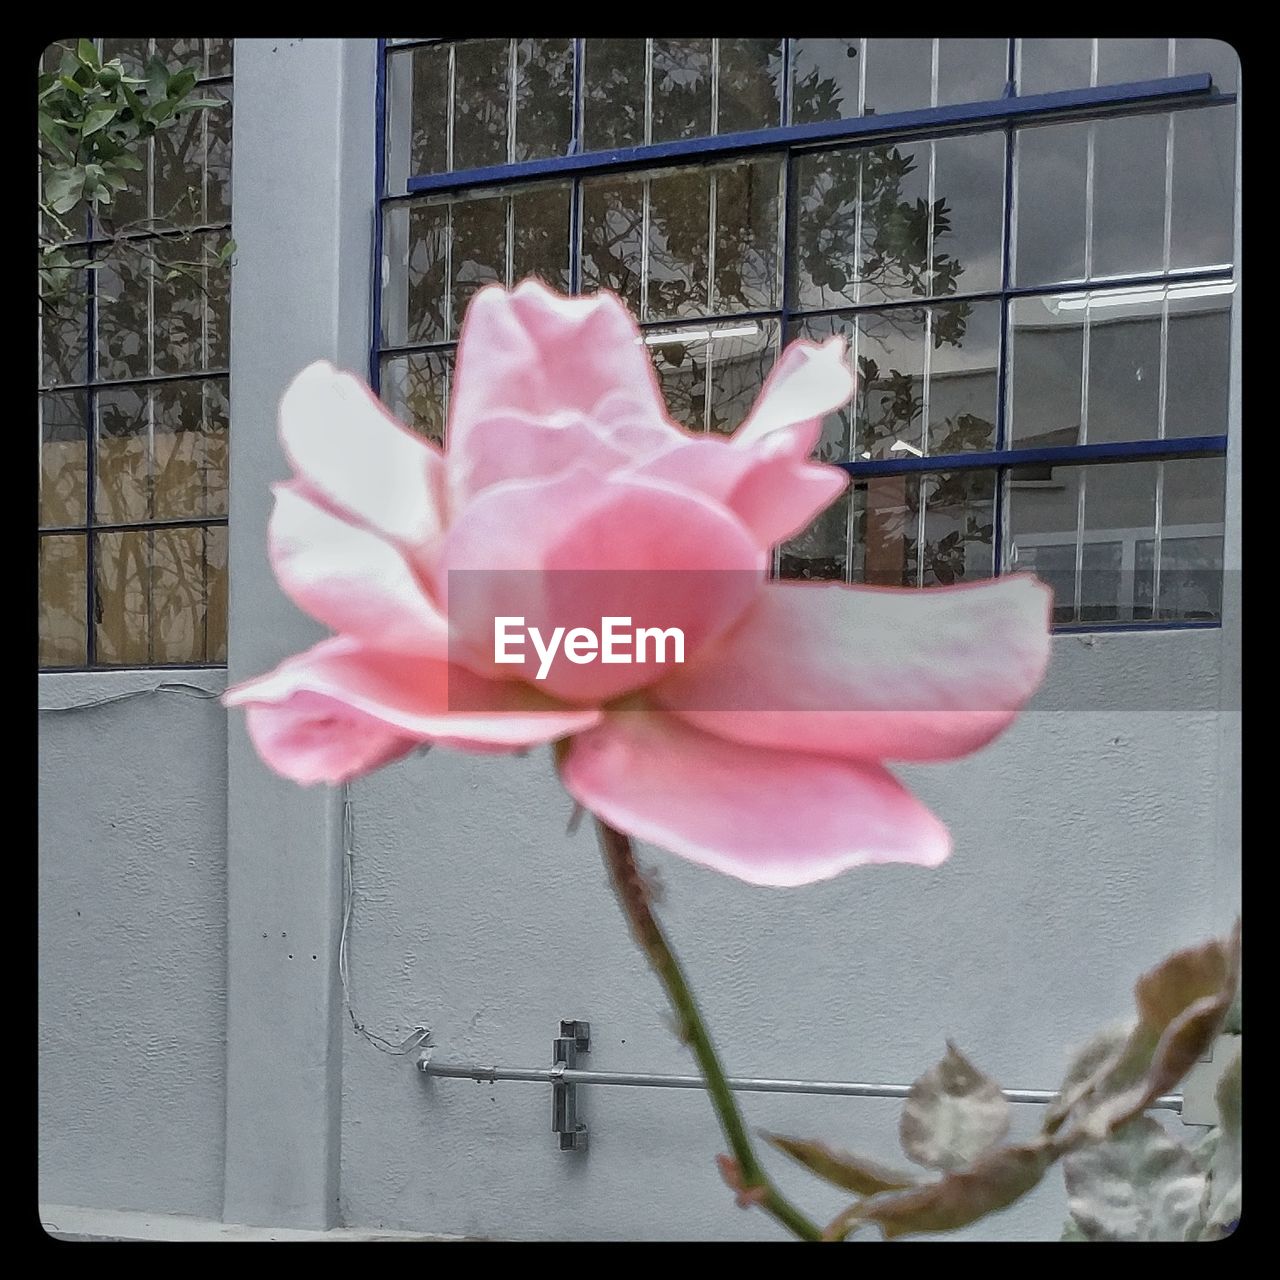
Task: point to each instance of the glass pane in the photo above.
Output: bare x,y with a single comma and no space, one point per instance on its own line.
416,390
218,56
820,552
1050,203
540,241
1128,195
886,531
681,364
130,208
122,286
1203,204
1219,59
964,377
679,226
748,213
122,587
189,449
899,75
681,89
612,237
415,266
1046,371
192,310
64,323
741,357
181,51
834,443
63,458
192,166
1046,65
826,80
1188,581
63,612
479,250
481,92
544,98
1119,510
132,52
958,543
750,88
122,456
1124,367
179,593
1122,61
1198,365
215,555
613,94
889,415
895,222
1043,519
971,70
968,215
827,186
417,113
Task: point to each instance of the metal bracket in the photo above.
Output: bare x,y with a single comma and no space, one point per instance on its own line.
574,1038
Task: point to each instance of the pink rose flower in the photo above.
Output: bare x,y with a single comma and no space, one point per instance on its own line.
762,755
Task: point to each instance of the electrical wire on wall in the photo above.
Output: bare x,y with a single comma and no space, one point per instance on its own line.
420,1032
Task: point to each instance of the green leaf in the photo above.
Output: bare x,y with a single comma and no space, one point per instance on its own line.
55,133
97,118
198,104
87,53
1138,1185
157,78
853,1173
992,1182
72,85
127,160
63,188
952,1114
181,84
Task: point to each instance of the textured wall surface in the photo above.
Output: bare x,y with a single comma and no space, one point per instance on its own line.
1085,849
132,927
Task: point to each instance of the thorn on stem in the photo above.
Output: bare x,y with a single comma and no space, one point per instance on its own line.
731,1172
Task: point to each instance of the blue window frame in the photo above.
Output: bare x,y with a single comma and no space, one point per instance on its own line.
1028,243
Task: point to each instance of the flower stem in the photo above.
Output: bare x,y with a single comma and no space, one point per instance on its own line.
754,1185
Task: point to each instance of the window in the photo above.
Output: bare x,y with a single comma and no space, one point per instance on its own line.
1029,245
133,399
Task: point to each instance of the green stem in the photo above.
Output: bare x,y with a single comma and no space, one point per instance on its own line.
633,895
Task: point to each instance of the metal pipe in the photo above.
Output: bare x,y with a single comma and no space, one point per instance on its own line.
742,1084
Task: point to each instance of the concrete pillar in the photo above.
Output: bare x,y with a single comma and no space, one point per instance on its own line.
303,181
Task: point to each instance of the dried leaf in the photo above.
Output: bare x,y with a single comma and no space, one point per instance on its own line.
1181,1005
992,1182
1224,1192
952,1114
853,1173
1138,1185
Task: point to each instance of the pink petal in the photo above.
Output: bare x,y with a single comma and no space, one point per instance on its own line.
349,578
351,453
767,817
542,353
514,446
577,548
871,673
766,485
311,738
374,703
808,382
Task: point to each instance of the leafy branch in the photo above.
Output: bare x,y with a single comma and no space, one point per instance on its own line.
1127,1178
94,120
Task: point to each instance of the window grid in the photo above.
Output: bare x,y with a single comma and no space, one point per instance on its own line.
212,641
1095,103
